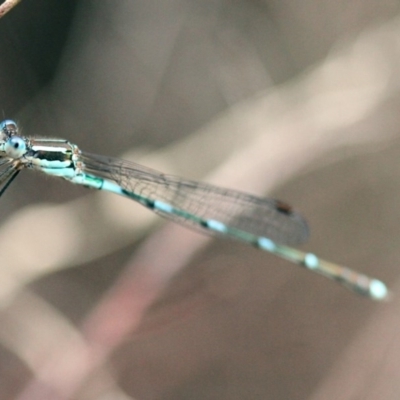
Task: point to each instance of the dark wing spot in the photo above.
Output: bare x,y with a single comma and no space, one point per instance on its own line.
283,207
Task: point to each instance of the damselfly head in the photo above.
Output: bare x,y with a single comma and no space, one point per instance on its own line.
10,143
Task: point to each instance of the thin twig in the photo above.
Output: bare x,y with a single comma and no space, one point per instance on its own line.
7,6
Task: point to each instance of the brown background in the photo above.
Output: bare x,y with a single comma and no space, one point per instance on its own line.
197,86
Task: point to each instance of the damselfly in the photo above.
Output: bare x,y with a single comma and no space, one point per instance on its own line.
266,224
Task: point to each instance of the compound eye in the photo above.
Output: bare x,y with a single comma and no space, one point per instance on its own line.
9,127
15,147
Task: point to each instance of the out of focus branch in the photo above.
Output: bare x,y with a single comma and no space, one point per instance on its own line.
7,6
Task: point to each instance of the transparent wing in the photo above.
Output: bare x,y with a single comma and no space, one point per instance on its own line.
258,216
8,171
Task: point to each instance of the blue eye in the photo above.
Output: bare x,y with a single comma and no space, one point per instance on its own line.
9,126
15,147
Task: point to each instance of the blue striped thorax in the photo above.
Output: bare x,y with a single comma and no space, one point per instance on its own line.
51,153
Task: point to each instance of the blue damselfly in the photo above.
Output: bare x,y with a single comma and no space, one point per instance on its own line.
266,224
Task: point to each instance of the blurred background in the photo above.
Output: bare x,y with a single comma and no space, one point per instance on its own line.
100,299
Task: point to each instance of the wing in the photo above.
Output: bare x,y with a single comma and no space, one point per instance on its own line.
259,216
8,171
